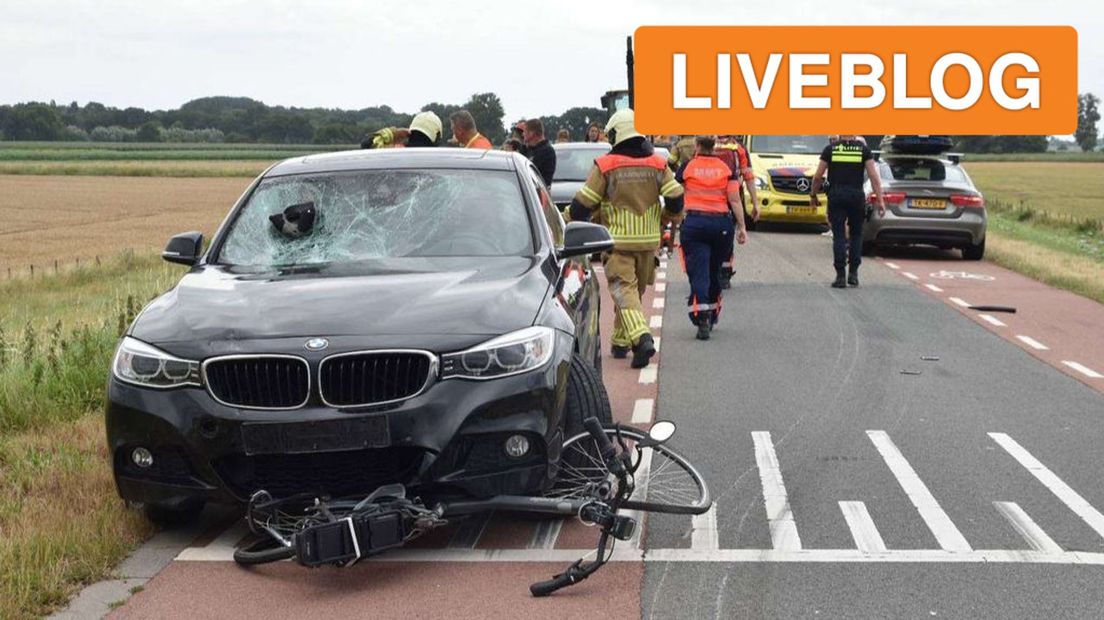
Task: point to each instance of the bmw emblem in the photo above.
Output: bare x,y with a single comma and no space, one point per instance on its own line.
317,344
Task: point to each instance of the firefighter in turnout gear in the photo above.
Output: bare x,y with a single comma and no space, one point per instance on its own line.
712,198
845,160
425,130
624,187
682,151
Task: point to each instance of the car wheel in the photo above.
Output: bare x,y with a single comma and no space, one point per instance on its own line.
586,397
181,514
974,252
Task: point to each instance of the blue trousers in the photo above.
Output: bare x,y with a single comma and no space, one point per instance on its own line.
846,212
706,243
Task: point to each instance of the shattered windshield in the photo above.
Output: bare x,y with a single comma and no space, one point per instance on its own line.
370,214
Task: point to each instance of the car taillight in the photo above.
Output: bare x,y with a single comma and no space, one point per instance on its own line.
893,198
970,201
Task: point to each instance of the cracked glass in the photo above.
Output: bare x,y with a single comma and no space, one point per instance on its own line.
375,214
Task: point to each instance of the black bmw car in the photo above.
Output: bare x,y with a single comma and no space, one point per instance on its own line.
420,316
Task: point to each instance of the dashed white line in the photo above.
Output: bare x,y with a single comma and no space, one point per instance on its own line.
892,265
649,374
657,340
642,411
948,536
661,287
1060,489
934,288
703,531
657,303
656,321
1034,344
866,535
958,301
1085,370
546,533
910,276
661,275
783,528
1031,532
992,320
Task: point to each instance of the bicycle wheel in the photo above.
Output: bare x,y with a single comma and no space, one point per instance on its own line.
665,481
262,552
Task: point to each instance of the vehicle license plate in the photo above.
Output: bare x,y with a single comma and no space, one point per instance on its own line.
928,203
801,210
319,436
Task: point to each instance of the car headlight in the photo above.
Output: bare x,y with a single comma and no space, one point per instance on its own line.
760,182
138,363
511,354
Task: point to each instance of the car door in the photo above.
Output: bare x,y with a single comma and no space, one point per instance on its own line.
577,287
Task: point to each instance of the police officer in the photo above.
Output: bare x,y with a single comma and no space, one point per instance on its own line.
712,196
845,159
624,186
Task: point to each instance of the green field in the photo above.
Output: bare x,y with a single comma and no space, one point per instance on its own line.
1071,189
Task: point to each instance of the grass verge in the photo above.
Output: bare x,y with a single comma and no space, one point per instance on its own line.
139,168
61,523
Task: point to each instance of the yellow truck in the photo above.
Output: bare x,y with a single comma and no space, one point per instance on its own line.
784,167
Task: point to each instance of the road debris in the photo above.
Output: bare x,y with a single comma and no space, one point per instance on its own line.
929,358
1008,309
911,372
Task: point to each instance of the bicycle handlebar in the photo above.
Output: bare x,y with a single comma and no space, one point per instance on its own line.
574,574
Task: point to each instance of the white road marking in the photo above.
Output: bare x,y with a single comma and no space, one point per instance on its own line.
643,477
219,549
1031,532
783,528
933,288
656,321
703,531
661,275
546,533
657,340
910,276
948,536
960,302
1034,344
1060,489
628,553
1085,370
649,374
470,531
992,320
661,287
892,265
657,303
642,411
863,530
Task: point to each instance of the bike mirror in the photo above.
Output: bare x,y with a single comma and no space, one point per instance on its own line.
662,431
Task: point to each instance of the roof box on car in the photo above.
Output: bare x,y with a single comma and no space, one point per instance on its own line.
917,145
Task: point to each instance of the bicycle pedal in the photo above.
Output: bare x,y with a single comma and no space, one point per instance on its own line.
622,527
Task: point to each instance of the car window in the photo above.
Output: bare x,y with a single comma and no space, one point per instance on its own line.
812,145
551,213
575,164
921,169
382,214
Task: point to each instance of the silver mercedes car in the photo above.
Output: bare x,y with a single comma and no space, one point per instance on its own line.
930,200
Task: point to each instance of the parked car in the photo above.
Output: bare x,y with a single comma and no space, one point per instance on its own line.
573,163
435,325
930,200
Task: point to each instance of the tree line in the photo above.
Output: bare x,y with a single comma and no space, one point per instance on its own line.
245,120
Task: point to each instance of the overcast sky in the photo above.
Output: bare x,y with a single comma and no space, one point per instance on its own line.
540,57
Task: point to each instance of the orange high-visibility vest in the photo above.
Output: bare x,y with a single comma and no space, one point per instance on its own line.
706,181
611,161
479,142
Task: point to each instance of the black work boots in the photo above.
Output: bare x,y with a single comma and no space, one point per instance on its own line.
841,279
704,327
643,351
853,276
850,278
619,352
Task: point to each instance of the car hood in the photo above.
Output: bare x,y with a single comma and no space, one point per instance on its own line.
392,297
563,191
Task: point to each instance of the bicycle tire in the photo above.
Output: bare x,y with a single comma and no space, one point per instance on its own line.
695,499
263,551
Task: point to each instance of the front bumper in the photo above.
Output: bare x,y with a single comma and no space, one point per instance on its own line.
775,206
447,439
967,228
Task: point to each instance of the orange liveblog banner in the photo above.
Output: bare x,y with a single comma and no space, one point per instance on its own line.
856,79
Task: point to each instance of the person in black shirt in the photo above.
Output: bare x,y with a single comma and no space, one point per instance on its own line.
539,150
845,160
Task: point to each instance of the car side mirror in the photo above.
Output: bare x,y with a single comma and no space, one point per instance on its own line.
582,238
185,248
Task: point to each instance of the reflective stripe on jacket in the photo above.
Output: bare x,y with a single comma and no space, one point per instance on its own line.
706,181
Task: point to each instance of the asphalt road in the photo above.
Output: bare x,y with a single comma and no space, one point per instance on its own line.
823,372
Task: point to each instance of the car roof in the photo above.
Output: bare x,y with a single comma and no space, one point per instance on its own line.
939,157
582,146
384,159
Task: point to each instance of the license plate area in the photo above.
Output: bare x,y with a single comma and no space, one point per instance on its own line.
928,204
810,210
316,436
